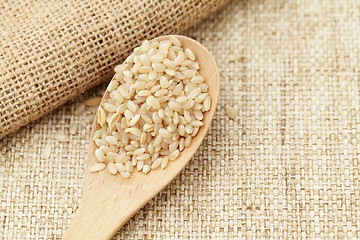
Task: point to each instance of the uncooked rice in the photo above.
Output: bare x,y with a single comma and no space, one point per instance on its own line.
155,107
79,110
73,129
47,152
89,118
93,102
235,57
231,112
97,167
61,137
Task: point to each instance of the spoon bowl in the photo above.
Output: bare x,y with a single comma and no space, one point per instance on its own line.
109,201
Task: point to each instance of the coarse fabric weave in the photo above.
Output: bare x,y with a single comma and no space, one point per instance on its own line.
51,51
286,167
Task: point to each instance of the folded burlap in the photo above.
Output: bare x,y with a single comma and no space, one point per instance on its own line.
52,51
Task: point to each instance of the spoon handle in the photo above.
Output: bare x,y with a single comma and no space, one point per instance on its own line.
97,218
109,201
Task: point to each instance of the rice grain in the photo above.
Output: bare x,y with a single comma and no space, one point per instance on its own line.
231,112
93,102
61,137
98,167
47,152
79,110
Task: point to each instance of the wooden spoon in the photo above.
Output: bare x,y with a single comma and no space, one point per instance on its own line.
109,201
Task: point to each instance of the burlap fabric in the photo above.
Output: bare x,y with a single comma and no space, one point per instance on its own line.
52,51
286,167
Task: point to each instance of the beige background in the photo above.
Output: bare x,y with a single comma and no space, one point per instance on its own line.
286,167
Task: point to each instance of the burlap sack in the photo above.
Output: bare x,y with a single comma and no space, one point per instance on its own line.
52,51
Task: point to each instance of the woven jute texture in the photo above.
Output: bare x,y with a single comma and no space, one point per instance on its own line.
286,167
52,51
